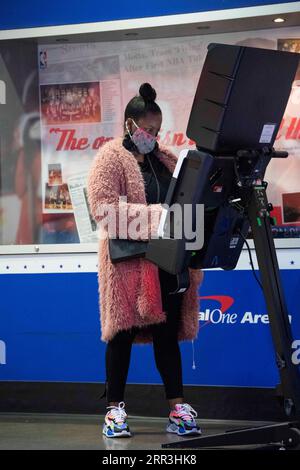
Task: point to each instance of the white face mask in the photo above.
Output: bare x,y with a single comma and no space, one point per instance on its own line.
144,141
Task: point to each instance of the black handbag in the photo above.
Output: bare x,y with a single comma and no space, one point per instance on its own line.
121,249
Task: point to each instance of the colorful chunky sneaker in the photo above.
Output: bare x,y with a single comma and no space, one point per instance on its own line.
115,422
182,420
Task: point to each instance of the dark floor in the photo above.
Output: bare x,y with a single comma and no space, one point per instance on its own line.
84,432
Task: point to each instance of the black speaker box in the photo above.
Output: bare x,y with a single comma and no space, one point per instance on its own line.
241,98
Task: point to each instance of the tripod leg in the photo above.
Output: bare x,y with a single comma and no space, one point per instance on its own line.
276,306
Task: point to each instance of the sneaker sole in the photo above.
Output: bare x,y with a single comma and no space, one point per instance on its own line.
174,429
119,434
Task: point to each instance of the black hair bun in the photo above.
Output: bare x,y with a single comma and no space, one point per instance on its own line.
147,92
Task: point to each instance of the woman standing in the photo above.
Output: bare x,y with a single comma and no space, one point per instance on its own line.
135,301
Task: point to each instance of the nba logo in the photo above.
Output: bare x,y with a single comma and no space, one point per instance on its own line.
2,92
43,59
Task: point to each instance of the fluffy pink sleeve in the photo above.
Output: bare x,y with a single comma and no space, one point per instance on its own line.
104,189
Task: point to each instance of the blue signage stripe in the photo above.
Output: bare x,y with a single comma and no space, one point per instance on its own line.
20,14
50,331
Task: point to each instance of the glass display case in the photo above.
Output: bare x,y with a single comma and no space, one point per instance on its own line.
62,98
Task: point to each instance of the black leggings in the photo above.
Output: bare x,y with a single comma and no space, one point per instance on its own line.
165,343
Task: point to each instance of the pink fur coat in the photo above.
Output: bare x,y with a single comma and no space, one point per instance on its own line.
130,290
